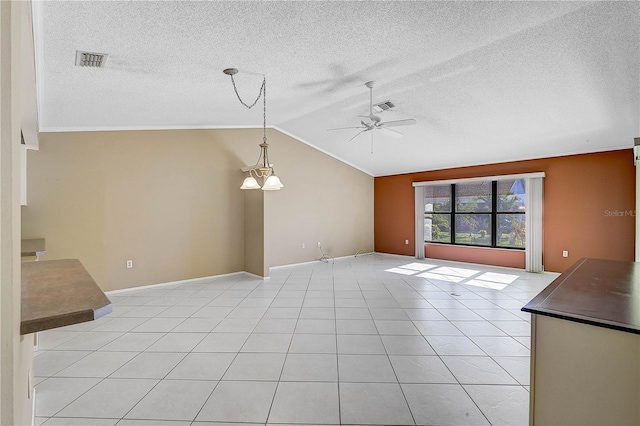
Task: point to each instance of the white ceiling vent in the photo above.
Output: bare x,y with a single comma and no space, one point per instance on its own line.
90,59
383,106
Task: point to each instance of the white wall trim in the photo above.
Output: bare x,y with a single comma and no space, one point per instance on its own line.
404,256
38,56
322,150
510,160
292,264
257,276
214,277
44,129
480,179
317,261
187,281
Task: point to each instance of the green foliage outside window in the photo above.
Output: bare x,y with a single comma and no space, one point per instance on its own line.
474,215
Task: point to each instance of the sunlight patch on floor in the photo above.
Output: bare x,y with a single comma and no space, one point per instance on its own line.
492,280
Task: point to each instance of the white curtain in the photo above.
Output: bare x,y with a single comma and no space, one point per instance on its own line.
533,224
419,215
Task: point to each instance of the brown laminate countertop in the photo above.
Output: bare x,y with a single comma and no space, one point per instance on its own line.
57,293
604,293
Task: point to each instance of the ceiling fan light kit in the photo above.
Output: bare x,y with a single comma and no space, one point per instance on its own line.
263,168
375,122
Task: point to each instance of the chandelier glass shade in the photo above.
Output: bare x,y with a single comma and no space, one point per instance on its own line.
250,183
263,169
272,184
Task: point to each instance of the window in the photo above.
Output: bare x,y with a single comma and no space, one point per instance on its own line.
510,217
473,219
482,213
437,218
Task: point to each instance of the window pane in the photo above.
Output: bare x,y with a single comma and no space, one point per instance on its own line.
474,229
511,230
437,228
437,198
511,195
473,197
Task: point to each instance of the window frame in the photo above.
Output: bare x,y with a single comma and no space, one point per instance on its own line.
493,217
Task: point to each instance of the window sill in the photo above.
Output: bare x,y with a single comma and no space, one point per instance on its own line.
475,247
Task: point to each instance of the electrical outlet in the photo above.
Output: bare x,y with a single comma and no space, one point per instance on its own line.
565,253
302,245
129,264
319,244
406,242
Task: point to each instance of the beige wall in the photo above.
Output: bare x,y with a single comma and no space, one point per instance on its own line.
16,351
324,201
170,201
164,199
254,260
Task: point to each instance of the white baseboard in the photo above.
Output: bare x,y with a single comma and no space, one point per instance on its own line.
256,276
190,280
405,256
33,406
290,265
196,280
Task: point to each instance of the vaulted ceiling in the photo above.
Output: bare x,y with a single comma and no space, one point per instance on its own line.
485,81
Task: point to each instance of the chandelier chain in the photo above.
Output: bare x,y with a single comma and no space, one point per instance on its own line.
264,170
263,93
264,110
235,89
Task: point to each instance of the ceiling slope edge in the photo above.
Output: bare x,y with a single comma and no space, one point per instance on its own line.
348,163
517,160
152,128
140,128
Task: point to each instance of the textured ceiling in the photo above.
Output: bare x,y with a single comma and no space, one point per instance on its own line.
486,81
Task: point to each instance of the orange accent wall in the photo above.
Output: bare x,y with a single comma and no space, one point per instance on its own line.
482,255
589,209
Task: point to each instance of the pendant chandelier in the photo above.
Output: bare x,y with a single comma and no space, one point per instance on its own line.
263,168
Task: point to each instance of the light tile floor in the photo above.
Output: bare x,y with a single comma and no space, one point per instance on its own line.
377,339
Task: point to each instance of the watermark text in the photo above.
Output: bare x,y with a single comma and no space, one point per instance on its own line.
619,213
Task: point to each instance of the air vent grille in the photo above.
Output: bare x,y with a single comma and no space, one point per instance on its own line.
383,106
90,59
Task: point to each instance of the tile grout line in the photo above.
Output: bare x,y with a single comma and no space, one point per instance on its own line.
273,398
454,376
387,352
99,381
375,271
184,357
335,324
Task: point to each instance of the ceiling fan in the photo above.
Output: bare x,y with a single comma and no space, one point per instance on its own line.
375,122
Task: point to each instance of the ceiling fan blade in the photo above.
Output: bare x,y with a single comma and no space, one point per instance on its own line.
344,128
358,134
372,142
407,122
390,132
